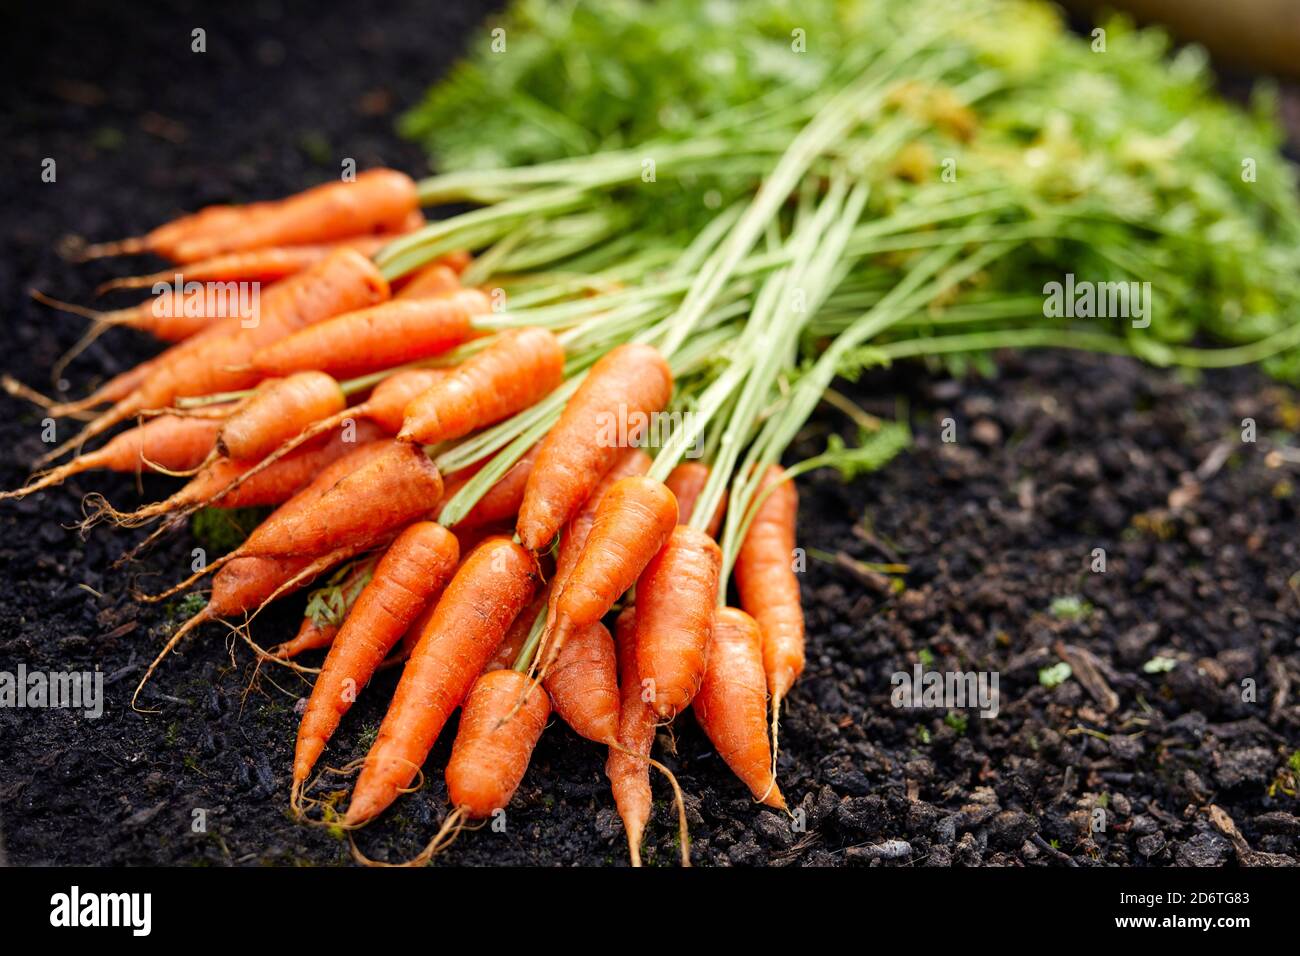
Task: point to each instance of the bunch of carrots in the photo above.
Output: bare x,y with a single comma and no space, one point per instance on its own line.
336,405
536,477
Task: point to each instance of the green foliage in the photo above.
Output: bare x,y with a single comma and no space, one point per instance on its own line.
1145,174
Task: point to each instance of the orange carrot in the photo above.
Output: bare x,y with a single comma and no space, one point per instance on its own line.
675,598
278,410
686,482
629,777
387,403
768,587
209,362
170,442
514,372
731,706
164,239
170,317
258,265
508,650
382,336
413,570
583,684
633,461
311,636
216,483
626,385
327,608
492,586
396,487
633,520
433,281
378,200
494,742
501,500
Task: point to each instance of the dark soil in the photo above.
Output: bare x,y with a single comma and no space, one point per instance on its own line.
1059,456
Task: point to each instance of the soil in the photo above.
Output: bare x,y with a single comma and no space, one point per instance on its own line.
1168,744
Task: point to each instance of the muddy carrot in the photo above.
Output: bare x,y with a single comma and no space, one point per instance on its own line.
413,570
516,371
676,596
382,336
731,706
492,586
625,386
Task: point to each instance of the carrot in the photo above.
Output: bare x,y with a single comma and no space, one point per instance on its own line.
387,403
731,706
492,586
170,442
209,362
378,200
431,282
633,461
507,651
327,609
169,317
514,372
311,636
583,684
278,410
258,265
675,597
501,500
163,240
629,777
768,587
399,485
244,584
226,482
415,568
494,742
382,336
633,520
686,482
628,383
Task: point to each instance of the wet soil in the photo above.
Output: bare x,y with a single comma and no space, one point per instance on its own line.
1172,741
